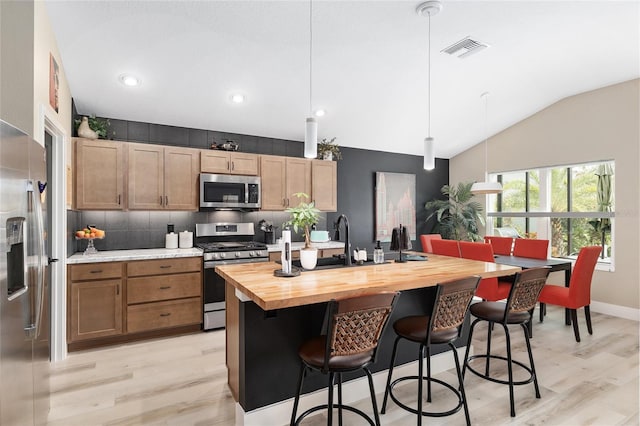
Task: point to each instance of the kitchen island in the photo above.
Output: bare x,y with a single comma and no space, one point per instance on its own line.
269,317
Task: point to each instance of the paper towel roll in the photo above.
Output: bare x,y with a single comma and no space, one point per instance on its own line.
186,239
171,241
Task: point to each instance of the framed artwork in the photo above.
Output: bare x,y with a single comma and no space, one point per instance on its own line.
54,73
395,204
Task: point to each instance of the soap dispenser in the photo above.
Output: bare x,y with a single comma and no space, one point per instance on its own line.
378,254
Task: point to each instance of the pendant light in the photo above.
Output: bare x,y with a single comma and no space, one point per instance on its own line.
486,187
429,9
311,129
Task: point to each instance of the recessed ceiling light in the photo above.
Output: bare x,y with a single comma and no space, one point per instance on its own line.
129,80
237,98
320,113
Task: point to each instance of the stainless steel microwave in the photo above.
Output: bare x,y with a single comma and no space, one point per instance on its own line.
229,191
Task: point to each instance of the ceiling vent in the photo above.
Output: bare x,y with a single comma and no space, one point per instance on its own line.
465,47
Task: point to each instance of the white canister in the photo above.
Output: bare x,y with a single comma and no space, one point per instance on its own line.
171,240
186,239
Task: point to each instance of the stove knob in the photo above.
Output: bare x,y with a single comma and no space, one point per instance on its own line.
223,255
214,255
252,253
237,254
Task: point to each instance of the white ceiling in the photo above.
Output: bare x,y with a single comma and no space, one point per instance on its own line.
369,64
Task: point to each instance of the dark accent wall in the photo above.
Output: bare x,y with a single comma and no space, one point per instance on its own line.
356,190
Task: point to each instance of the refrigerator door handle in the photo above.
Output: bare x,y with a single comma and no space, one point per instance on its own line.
42,261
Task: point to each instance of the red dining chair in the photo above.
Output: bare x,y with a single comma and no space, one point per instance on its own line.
425,240
535,249
489,288
578,294
501,245
446,247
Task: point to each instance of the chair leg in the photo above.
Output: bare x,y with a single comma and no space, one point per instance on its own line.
510,370
465,362
386,389
297,399
587,315
420,373
339,377
373,396
574,320
330,400
533,368
489,328
461,382
542,311
428,373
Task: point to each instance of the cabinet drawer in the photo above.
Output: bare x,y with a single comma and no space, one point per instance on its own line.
164,287
164,266
151,316
96,271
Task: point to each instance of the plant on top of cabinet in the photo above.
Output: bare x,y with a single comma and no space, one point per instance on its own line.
87,126
329,149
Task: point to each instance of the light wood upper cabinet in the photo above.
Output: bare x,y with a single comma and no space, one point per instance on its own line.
162,178
235,163
99,175
281,177
324,182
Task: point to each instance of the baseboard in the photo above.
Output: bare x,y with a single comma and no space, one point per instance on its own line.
616,310
354,390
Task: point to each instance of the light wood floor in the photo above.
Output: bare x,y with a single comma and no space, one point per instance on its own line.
182,381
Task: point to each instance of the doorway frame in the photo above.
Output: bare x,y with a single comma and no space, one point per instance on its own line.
58,232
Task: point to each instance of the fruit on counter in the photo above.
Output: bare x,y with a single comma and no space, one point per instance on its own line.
90,232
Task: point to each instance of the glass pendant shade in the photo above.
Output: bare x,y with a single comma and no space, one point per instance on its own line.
486,188
311,138
429,155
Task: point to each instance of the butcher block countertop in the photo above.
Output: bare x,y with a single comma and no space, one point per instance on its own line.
257,283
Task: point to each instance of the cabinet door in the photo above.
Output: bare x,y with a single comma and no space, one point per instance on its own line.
215,161
99,172
95,309
273,179
324,178
244,164
298,180
180,179
146,177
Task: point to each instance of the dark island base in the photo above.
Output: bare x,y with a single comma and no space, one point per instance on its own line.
267,347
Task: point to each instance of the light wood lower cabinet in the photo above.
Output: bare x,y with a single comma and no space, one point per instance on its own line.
114,301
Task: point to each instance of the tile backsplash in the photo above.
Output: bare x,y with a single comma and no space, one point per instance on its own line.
147,229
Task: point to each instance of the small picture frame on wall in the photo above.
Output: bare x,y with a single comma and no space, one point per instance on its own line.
54,82
395,204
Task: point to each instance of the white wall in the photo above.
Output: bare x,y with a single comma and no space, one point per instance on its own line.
603,124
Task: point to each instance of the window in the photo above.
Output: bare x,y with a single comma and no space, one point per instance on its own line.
572,206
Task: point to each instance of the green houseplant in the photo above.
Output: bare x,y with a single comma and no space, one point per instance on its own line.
329,149
303,216
98,125
458,216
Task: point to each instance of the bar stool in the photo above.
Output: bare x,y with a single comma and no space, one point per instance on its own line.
518,309
443,326
354,329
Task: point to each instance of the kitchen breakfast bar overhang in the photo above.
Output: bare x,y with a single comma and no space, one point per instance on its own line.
268,317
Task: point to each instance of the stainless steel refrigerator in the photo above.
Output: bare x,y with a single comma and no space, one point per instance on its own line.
24,289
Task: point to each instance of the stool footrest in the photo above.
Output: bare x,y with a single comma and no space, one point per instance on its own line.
426,413
496,380
326,406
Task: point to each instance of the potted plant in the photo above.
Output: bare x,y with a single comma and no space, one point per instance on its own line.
303,216
329,149
98,125
458,216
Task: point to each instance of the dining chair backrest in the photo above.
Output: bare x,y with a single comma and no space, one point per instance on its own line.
425,240
476,251
501,245
535,249
580,283
446,247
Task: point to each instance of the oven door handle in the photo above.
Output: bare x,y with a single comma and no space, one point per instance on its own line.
213,264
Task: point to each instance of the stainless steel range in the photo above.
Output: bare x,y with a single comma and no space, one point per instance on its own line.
224,244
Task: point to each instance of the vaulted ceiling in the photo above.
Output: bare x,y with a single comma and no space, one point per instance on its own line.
369,63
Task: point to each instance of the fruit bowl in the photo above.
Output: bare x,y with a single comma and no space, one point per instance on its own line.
90,233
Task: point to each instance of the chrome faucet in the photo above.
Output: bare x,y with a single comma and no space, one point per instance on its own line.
347,244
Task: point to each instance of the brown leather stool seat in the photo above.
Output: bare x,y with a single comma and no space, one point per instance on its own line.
350,343
518,309
442,326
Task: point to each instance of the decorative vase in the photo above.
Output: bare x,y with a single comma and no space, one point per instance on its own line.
327,155
309,258
84,131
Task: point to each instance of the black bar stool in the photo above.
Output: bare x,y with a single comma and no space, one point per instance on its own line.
518,309
354,329
443,326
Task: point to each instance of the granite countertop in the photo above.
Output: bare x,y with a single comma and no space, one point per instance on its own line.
136,254
299,245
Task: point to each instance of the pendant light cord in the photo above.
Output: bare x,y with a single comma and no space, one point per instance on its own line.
486,134
310,58
429,78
